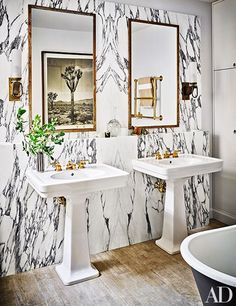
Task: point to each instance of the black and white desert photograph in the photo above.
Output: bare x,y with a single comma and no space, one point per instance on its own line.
68,90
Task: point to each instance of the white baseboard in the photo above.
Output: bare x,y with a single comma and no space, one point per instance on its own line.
224,216
211,214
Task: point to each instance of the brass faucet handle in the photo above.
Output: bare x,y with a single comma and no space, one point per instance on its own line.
166,154
70,166
157,155
175,154
57,166
82,163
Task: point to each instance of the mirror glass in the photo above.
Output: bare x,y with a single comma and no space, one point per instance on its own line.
62,68
153,74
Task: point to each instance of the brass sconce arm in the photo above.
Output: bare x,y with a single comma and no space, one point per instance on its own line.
189,89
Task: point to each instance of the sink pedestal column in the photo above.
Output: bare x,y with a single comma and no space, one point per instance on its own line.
76,266
174,224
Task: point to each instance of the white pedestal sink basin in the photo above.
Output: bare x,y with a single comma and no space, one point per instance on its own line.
74,185
176,171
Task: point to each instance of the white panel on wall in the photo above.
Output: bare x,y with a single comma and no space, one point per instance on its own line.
224,139
224,42
224,45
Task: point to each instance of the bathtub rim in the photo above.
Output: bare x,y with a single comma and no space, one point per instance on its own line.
201,267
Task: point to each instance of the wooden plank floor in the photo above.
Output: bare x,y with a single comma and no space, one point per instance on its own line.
141,274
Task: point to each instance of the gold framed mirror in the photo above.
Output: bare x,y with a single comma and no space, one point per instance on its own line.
62,67
153,77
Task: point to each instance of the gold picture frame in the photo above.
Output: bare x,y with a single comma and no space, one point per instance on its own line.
72,128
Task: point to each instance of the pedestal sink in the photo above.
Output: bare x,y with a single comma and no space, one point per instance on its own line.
176,171
74,185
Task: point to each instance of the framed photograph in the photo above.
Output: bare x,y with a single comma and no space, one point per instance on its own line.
69,90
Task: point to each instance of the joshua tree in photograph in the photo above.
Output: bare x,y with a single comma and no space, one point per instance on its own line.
72,75
51,98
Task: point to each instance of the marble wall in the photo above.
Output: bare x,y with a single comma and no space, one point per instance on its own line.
31,229
112,58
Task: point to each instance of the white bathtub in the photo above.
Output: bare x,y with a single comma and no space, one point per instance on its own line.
212,256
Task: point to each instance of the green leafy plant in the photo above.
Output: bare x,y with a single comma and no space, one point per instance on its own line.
41,138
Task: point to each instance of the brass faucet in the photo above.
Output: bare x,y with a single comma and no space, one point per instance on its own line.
70,166
174,154
82,163
167,154
157,155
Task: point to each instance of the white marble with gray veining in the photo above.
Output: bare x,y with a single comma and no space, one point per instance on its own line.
31,229
112,58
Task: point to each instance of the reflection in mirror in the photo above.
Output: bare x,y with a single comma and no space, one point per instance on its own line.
153,74
62,68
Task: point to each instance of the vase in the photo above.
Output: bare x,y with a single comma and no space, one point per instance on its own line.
113,127
40,162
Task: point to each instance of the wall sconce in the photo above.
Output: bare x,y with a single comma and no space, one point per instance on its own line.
190,87
15,85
